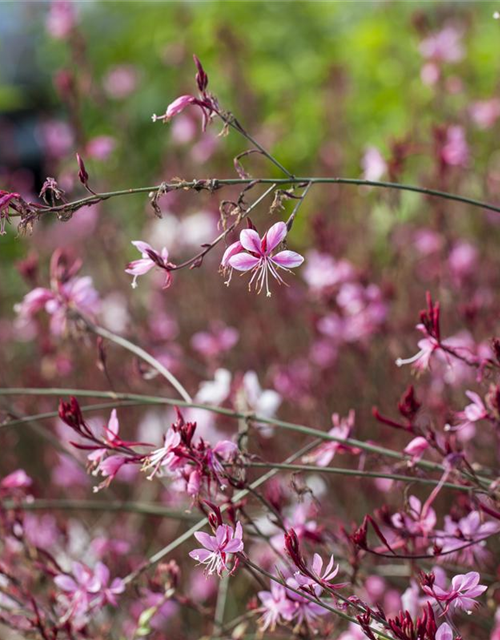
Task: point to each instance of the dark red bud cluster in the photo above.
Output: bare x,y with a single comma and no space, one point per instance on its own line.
430,318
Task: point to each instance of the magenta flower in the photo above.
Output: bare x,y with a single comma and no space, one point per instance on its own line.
216,548
276,607
471,414
257,256
316,575
342,429
112,430
150,258
206,102
444,632
107,591
78,589
76,293
464,589
16,480
416,449
165,456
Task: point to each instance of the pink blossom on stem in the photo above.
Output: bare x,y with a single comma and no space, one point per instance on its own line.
16,480
227,541
150,258
474,412
462,593
256,256
444,632
324,454
416,449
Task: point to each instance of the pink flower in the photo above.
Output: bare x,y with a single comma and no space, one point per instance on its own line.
175,107
472,413
61,19
108,468
112,429
16,480
485,112
214,342
464,589
444,632
120,81
150,258
165,456
324,454
206,102
443,46
258,257
317,573
421,360
78,589
373,163
419,520
276,607
455,151
416,449
108,592
76,293
216,548
100,147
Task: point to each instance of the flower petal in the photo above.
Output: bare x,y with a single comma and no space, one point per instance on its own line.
243,262
250,241
275,235
288,259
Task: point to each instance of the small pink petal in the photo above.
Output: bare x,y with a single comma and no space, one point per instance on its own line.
275,235
250,241
288,259
243,262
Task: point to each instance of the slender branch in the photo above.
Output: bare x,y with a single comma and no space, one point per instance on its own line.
257,464
322,435
195,260
212,184
97,505
358,473
138,351
236,125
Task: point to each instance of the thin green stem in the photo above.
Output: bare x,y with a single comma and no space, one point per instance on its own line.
323,435
98,505
211,184
141,353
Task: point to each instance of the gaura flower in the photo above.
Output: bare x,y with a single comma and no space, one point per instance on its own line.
276,607
216,548
150,258
462,593
253,253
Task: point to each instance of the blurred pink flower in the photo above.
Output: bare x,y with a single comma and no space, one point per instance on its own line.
416,449
485,113
276,608
455,151
342,429
373,164
443,46
61,19
212,343
120,81
100,147
16,480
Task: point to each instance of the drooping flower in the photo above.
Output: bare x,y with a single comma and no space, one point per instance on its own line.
254,253
150,258
112,429
214,555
